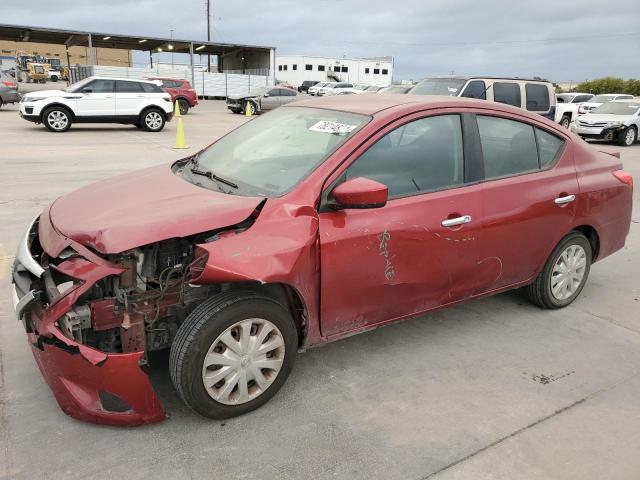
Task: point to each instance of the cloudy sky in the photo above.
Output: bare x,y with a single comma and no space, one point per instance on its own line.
562,41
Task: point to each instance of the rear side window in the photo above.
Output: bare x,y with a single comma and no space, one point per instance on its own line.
128,87
537,97
507,92
420,156
549,147
151,88
287,93
508,147
475,89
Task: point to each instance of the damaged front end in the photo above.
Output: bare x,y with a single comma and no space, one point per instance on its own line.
92,318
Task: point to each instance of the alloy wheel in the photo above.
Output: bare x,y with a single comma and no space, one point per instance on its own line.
630,137
58,120
243,361
153,120
568,272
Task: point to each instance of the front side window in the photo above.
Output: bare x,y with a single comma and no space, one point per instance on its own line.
537,97
128,87
507,92
475,89
271,154
508,147
102,86
420,156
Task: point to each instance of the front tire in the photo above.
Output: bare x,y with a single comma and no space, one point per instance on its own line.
233,353
564,275
57,119
628,136
152,120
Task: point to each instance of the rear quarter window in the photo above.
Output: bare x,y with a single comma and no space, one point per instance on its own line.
549,147
537,97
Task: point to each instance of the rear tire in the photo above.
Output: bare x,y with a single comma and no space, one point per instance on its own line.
564,274
628,136
565,121
54,78
152,120
57,119
204,336
183,105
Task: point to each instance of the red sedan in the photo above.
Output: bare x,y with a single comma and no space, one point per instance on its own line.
324,218
181,91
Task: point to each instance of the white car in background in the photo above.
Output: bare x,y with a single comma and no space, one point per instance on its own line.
100,100
600,99
314,90
567,105
338,89
617,120
323,90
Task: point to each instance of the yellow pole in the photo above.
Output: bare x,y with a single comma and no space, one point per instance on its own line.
247,109
181,141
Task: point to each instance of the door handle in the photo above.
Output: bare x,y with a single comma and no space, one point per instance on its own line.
564,200
452,222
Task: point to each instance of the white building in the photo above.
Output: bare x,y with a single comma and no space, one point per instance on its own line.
295,69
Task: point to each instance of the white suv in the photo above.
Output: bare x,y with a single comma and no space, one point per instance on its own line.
100,100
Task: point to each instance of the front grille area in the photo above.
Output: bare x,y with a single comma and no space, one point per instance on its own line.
590,125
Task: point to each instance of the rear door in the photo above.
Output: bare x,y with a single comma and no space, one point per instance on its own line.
130,98
386,263
527,196
98,99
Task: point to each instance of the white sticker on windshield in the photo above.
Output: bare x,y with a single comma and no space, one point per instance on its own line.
324,126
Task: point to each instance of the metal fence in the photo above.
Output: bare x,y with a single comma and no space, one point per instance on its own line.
80,72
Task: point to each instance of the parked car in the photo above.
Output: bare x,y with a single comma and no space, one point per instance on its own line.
314,89
337,88
304,88
395,89
181,91
322,219
100,100
360,87
282,83
372,89
53,75
322,90
567,105
598,100
533,95
263,99
8,89
616,120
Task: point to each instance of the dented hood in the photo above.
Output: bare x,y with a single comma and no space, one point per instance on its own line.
143,207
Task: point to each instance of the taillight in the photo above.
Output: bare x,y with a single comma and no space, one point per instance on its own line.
624,177
10,84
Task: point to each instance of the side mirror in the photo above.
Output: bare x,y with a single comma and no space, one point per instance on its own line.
360,193
265,95
86,90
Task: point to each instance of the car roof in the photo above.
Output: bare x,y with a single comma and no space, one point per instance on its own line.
123,79
481,77
373,104
626,100
166,78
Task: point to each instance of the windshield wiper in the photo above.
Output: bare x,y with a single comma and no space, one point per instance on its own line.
213,176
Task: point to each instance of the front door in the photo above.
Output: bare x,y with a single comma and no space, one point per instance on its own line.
98,99
272,100
417,252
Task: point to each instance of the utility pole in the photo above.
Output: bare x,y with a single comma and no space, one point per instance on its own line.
208,34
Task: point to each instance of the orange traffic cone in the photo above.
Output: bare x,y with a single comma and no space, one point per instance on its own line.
181,141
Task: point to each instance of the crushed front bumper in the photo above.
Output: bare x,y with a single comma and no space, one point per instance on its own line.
90,385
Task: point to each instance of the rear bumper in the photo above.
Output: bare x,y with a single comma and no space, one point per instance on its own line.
10,97
88,384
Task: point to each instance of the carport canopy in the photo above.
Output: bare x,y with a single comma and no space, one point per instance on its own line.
22,33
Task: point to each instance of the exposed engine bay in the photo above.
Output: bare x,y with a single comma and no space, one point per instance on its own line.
143,307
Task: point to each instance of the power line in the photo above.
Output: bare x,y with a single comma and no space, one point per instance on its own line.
495,42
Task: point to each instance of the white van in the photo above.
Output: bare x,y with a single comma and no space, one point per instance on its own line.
533,95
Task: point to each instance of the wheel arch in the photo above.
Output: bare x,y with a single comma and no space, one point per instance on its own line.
285,294
152,107
594,239
60,105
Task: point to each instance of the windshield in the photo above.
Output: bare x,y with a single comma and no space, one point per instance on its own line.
76,87
565,98
269,155
601,99
617,108
439,86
